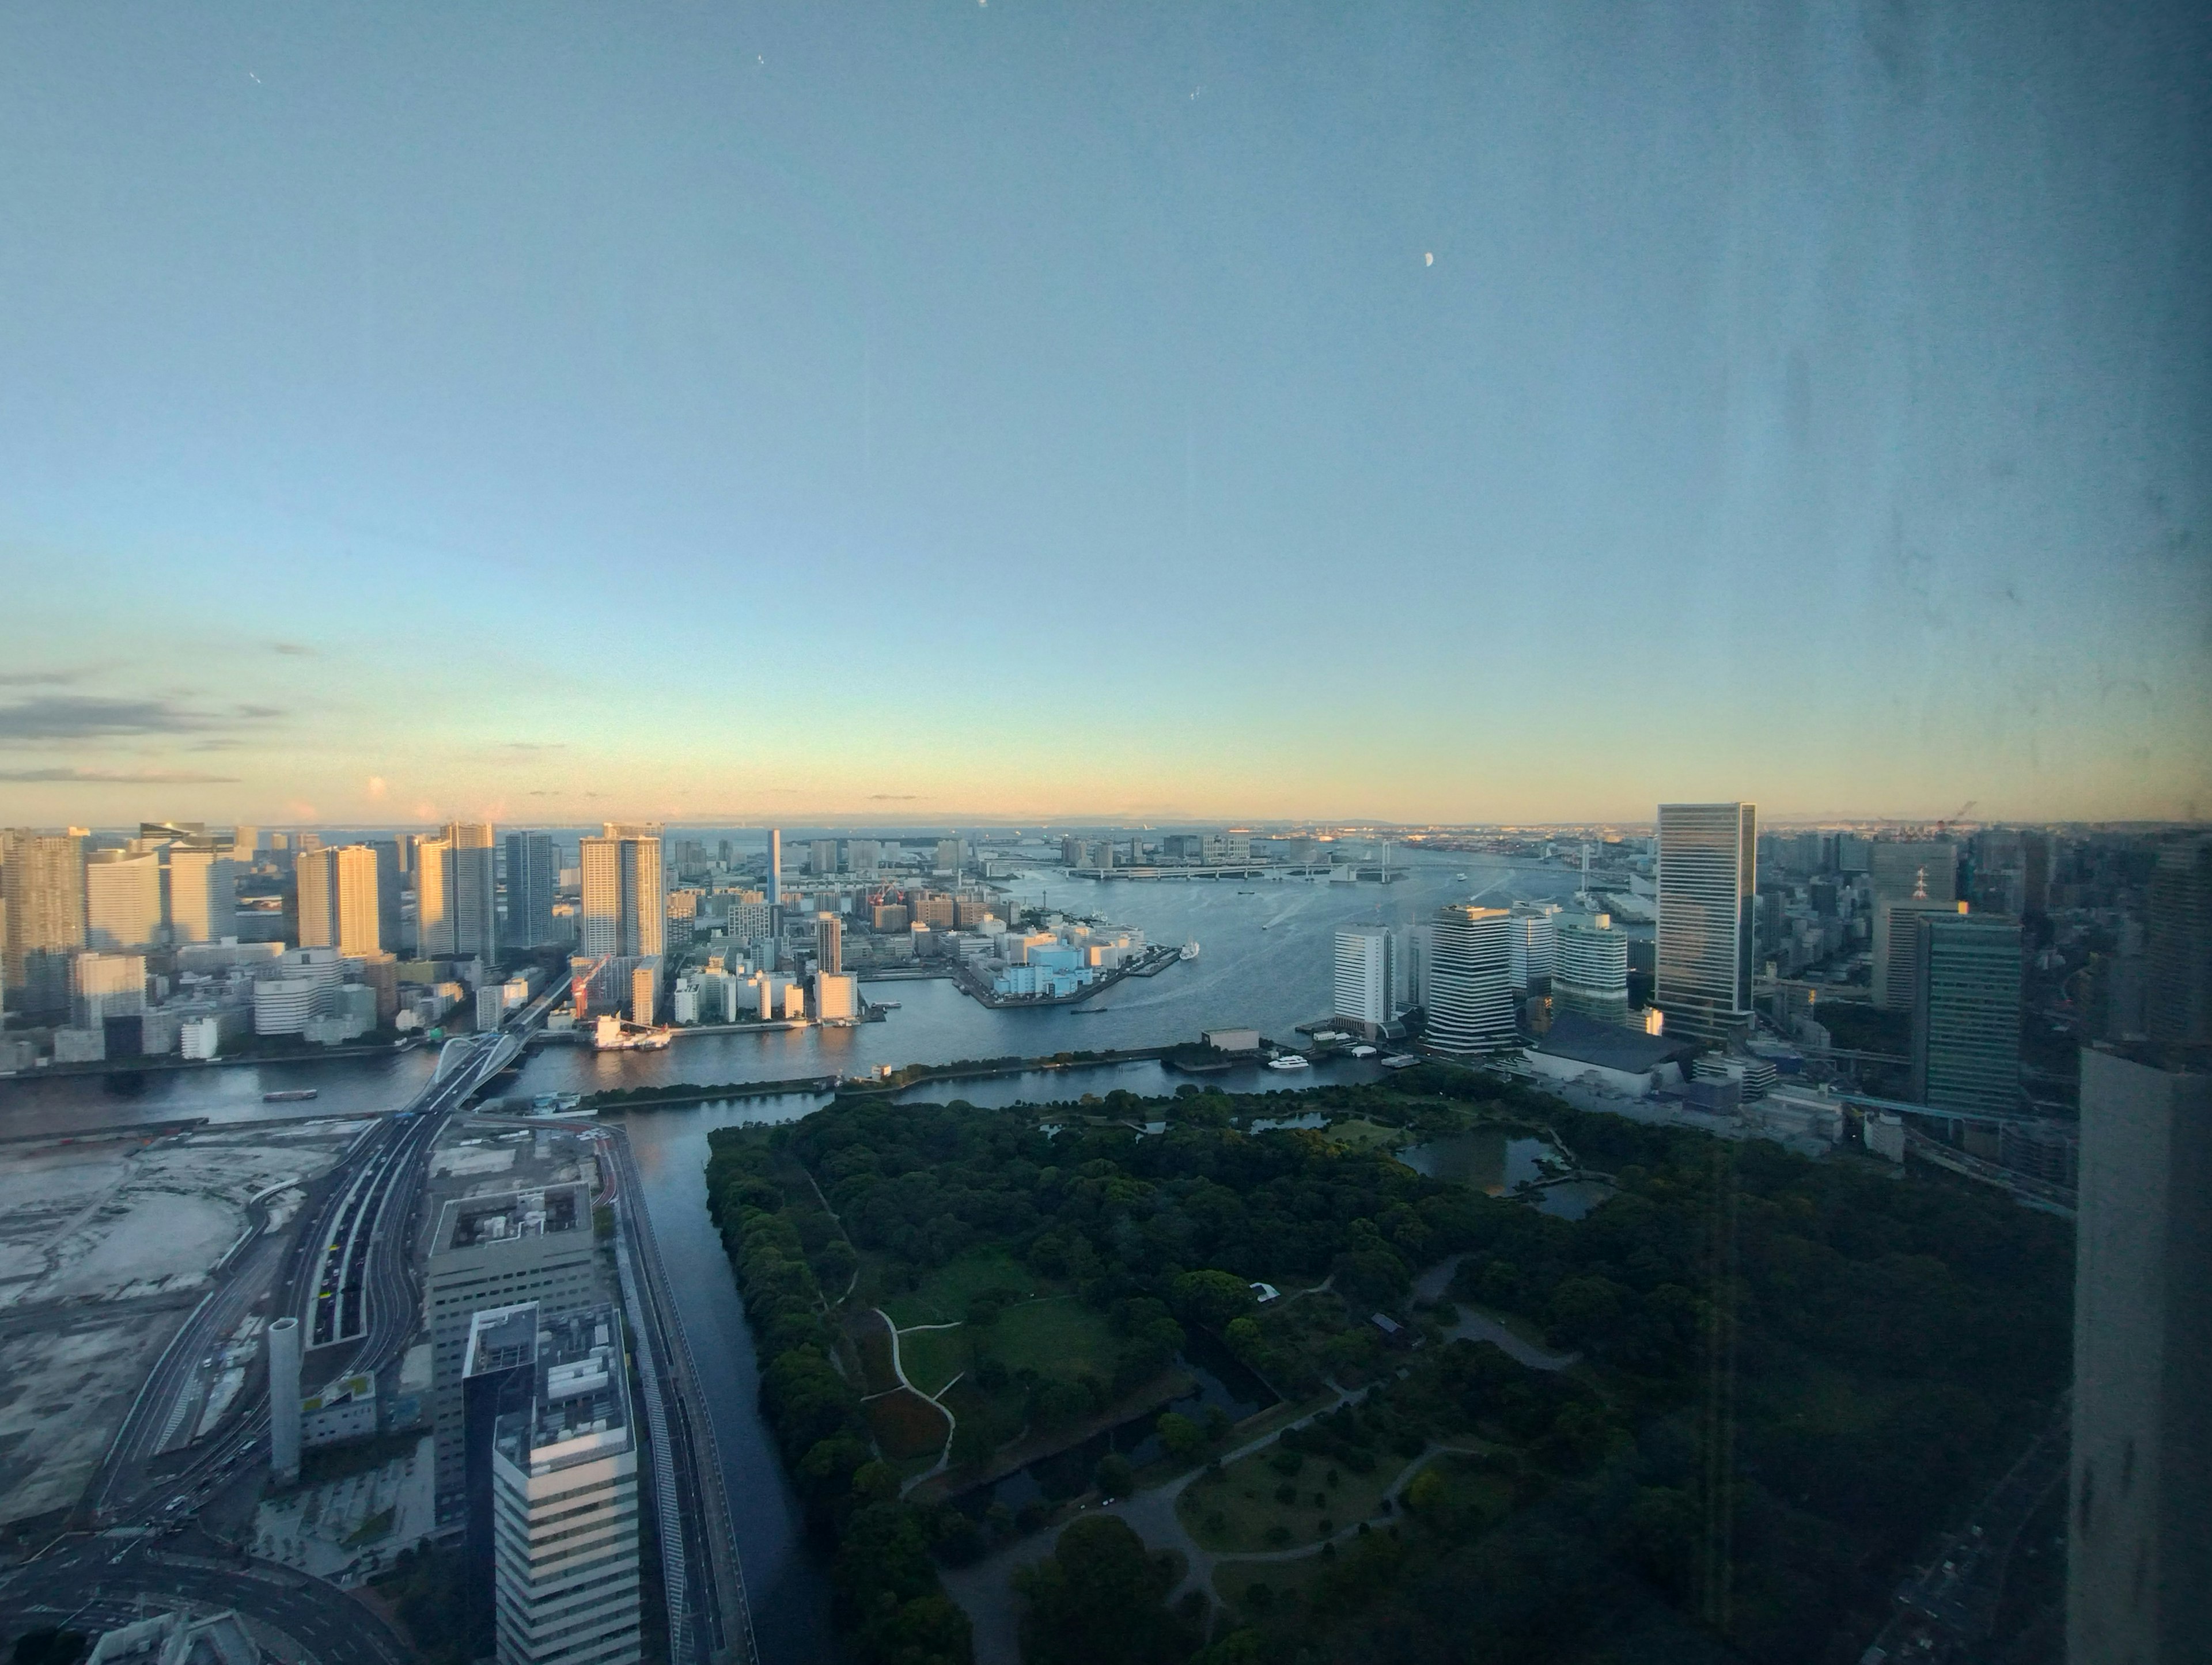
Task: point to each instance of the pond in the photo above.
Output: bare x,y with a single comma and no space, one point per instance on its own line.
1491,1159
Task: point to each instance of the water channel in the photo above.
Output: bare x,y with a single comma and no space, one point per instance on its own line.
1264,961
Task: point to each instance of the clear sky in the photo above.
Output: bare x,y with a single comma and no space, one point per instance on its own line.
939,409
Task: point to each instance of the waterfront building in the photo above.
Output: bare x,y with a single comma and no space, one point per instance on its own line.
644,992
2139,1537
1365,973
434,924
42,888
472,889
203,895
1590,977
533,871
494,1251
550,1432
122,900
836,997
829,942
1966,1011
104,986
625,898
1534,937
1708,879
2178,993
340,892
948,856
1470,980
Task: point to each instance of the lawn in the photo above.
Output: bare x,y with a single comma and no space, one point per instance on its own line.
1057,1337
933,1357
874,1343
906,1425
1364,1135
945,1291
1242,1512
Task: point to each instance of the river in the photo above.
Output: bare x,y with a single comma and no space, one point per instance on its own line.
1264,962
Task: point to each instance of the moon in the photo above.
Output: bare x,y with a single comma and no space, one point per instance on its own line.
1428,259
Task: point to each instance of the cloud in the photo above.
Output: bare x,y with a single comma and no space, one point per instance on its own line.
148,777
892,797
376,786
38,678
91,716
301,810
295,649
534,745
426,810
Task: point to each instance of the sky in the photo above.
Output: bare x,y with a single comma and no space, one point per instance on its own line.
936,410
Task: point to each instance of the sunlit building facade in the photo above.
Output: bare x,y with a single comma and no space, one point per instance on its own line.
1470,980
1708,881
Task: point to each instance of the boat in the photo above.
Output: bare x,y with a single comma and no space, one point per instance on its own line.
289,1095
1362,1051
1461,878
1289,1060
1190,950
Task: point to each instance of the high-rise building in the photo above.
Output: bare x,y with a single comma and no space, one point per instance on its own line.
1589,978
2178,994
1470,980
472,889
774,880
1966,1011
244,841
863,855
434,919
203,895
104,986
823,858
42,887
390,870
948,856
1708,881
1534,938
315,877
560,1486
2139,1536
534,874
829,942
1910,878
358,882
625,899
1365,973
122,900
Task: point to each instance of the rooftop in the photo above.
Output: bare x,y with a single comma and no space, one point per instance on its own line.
1608,1046
471,1222
581,1410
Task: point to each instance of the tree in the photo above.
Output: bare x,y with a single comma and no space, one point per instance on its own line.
1114,1475
1213,1297
1180,1435
1100,1600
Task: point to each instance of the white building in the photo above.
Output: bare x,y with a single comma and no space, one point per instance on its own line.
104,986
122,901
1469,978
284,1005
1533,937
202,897
1365,973
836,997
549,1396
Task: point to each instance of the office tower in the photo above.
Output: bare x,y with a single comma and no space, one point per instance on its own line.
625,900
1535,937
472,889
104,986
42,885
563,1491
774,880
534,874
244,843
1909,879
1365,973
829,942
492,1251
433,920
2139,1553
1469,978
1707,876
948,856
499,1377
823,856
1590,975
203,895
1966,1011
122,900
2177,994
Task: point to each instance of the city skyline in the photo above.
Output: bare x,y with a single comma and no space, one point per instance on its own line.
868,374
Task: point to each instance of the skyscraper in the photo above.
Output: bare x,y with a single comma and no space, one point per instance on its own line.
1365,971
1708,878
122,900
823,858
1535,937
472,889
2178,996
948,856
433,920
1590,975
1470,980
359,892
625,899
2139,1552
1966,1011
775,881
42,884
1908,879
534,874
203,895
315,877
829,942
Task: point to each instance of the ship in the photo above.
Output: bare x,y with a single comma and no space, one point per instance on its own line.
289,1095
1289,1060
1190,950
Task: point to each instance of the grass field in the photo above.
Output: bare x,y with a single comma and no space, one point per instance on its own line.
1059,1337
944,1293
906,1425
1241,1511
1364,1135
874,1343
934,1357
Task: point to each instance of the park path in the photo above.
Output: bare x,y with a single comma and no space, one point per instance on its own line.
1474,1326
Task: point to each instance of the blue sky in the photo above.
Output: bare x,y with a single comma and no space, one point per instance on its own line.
944,410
